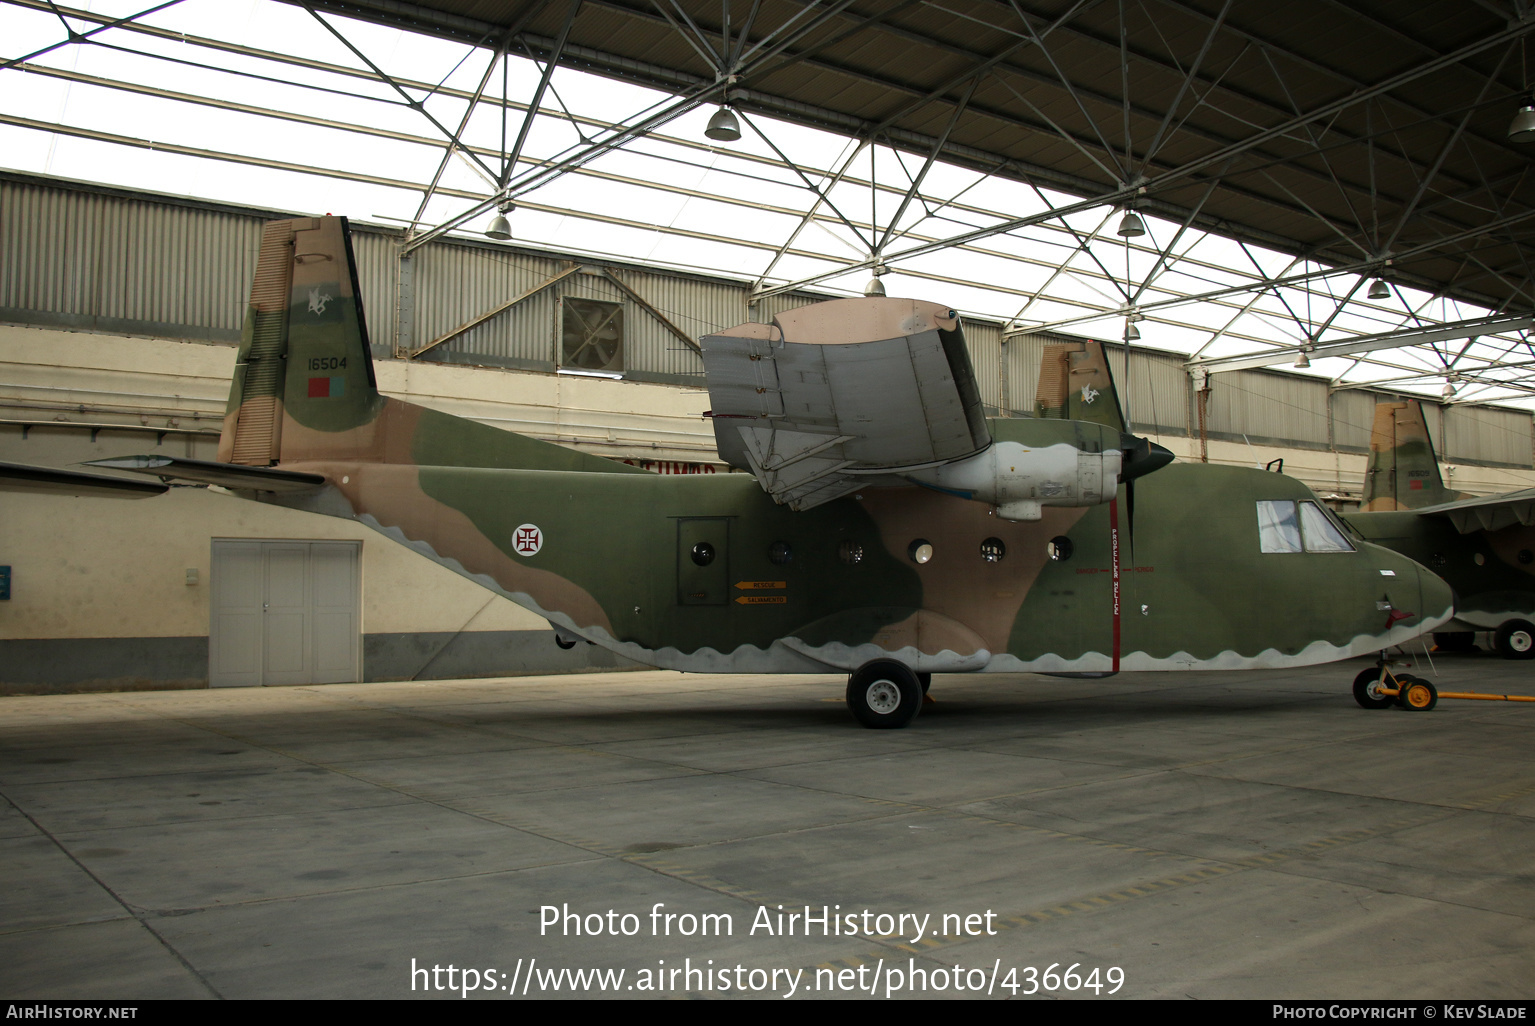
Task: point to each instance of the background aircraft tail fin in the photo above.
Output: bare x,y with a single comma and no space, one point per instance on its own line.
1403,472
304,388
1075,384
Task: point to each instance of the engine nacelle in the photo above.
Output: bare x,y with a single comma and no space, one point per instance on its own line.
1021,480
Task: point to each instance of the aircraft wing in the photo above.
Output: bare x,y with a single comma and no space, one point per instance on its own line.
829,395
18,477
226,475
1489,513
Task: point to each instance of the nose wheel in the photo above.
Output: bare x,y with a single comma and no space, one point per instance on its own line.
1379,688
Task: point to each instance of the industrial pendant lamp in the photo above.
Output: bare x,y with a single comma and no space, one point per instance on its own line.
500,228
1132,333
723,126
1130,225
876,288
1302,360
1379,289
1522,128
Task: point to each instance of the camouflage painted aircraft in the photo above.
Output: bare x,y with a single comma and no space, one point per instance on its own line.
886,528
1484,547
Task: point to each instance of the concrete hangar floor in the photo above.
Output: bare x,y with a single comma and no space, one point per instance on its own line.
1154,835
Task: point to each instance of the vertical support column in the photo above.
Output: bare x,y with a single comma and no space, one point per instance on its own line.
1199,378
1004,401
404,305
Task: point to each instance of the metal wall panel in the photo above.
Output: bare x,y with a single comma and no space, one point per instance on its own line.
457,283
1269,406
377,267
1021,369
1158,391
1353,415
1487,435
984,340
90,255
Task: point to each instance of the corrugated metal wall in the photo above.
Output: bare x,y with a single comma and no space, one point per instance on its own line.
1353,414
1484,434
103,260
100,260
984,340
1268,406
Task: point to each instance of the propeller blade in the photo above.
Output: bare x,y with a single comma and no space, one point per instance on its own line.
1141,457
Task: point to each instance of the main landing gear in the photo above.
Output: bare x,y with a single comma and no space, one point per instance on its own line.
885,694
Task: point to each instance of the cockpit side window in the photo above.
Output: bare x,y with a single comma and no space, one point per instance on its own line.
1278,530
1285,526
1319,531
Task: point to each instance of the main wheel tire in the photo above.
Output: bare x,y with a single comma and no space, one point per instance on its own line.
1417,694
1365,686
1455,641
1515,640
884,694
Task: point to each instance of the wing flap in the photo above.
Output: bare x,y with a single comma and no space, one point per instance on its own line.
840,389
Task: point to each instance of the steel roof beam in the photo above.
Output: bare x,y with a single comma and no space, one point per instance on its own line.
1370,343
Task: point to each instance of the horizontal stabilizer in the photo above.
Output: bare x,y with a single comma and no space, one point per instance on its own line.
225,475
16,477
1491,513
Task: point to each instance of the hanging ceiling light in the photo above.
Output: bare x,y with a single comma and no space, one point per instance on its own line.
723,126
1449,390
1132,333
1522,128
1302,360
1130,225
500,228
875,289
1379,289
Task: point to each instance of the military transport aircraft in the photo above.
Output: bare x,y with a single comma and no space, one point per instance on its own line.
886,528
1484,547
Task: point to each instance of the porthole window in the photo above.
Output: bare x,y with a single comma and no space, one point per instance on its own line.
992,550
1478,559
779,553
1059,549
920,550
850,552
703,553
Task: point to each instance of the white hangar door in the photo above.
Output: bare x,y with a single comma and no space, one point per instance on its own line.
284,612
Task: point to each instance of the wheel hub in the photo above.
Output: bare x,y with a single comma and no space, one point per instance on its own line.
884,697
1520,641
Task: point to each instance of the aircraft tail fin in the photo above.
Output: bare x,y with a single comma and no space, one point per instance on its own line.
304,388
1403,471
304,366
1075,384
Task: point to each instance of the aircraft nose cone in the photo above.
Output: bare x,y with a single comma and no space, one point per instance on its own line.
1436,595
1141,457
